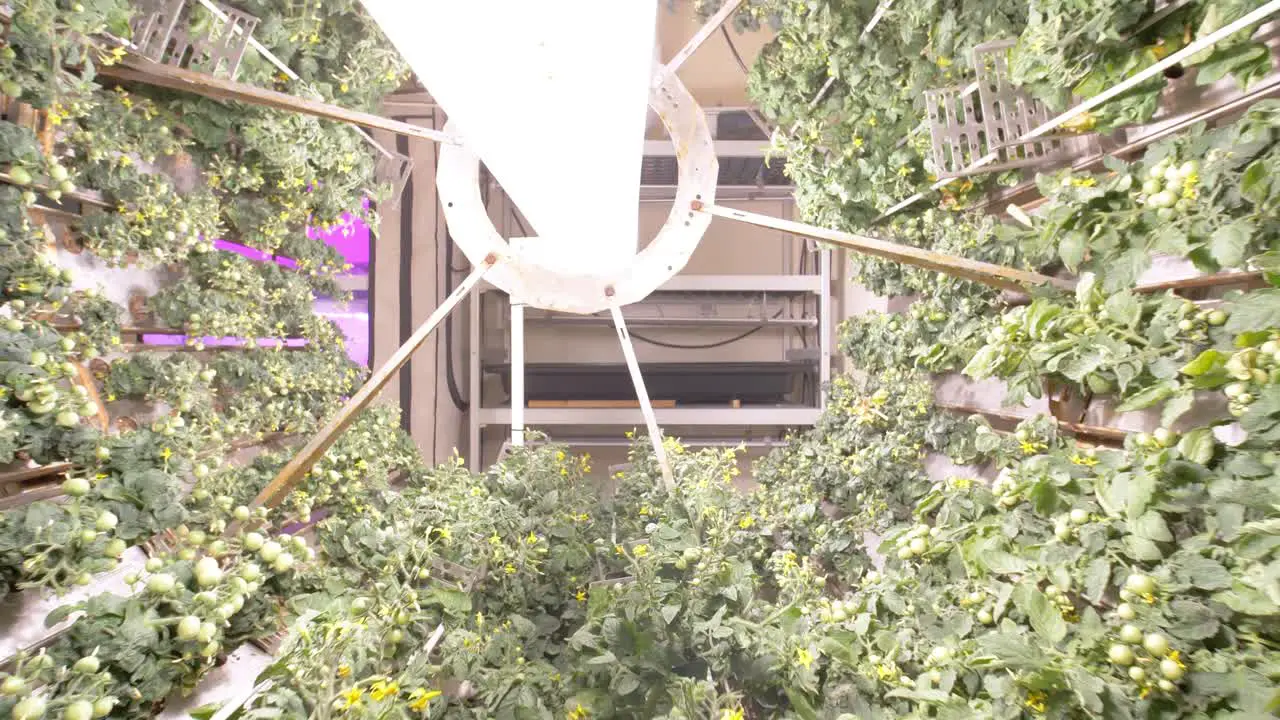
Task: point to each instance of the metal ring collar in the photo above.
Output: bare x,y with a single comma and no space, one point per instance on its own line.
550,288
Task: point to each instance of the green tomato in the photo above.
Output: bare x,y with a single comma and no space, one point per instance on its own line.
1079,516
1156,644
282,563
103,706
12,685
17,174
251,572
1164,437
1131,634
67,418
241,513
188,628
207,632
106,521
985,617
270,550
1140,584
918,546
161,583
1120,655
1137,674
115,548
253,541
1166,686
154,564
207,572
1163,199
87,665
1171,670
1124,611
1217,318
76,487
29,708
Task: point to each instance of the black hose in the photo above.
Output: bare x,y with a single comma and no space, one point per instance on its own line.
454,392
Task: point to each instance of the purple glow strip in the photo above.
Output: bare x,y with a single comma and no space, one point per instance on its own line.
216,341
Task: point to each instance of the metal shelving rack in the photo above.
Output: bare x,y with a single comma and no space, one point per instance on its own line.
777,302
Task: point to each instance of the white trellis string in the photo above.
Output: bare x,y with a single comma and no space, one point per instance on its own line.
1122,87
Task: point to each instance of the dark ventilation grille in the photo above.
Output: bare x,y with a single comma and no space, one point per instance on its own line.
737,125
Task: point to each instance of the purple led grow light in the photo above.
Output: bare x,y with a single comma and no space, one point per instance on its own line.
350,237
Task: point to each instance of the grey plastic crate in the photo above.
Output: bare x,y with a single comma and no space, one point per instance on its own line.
988,116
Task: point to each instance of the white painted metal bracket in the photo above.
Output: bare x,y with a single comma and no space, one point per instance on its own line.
642,393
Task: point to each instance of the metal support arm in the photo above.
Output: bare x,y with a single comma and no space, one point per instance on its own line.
642,393
292,473
997,276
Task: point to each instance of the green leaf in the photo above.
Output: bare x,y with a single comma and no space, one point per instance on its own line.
1176,407
1254,311
1139,491
1202,572
1072,249
1247,600
626,683
1197,445
1255,182
1043,614
1123,308
1140,548
800,704
1205,362
1148,397
1151,526
1227,244
1096,578
669,613
1192,621
1008,648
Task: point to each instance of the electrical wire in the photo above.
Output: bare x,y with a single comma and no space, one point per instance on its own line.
755,117
707,346
455,392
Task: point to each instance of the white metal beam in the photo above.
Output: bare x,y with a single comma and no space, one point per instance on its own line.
713,24
517,374
642,393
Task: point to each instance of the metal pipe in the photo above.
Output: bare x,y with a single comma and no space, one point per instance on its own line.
291,474
517,374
